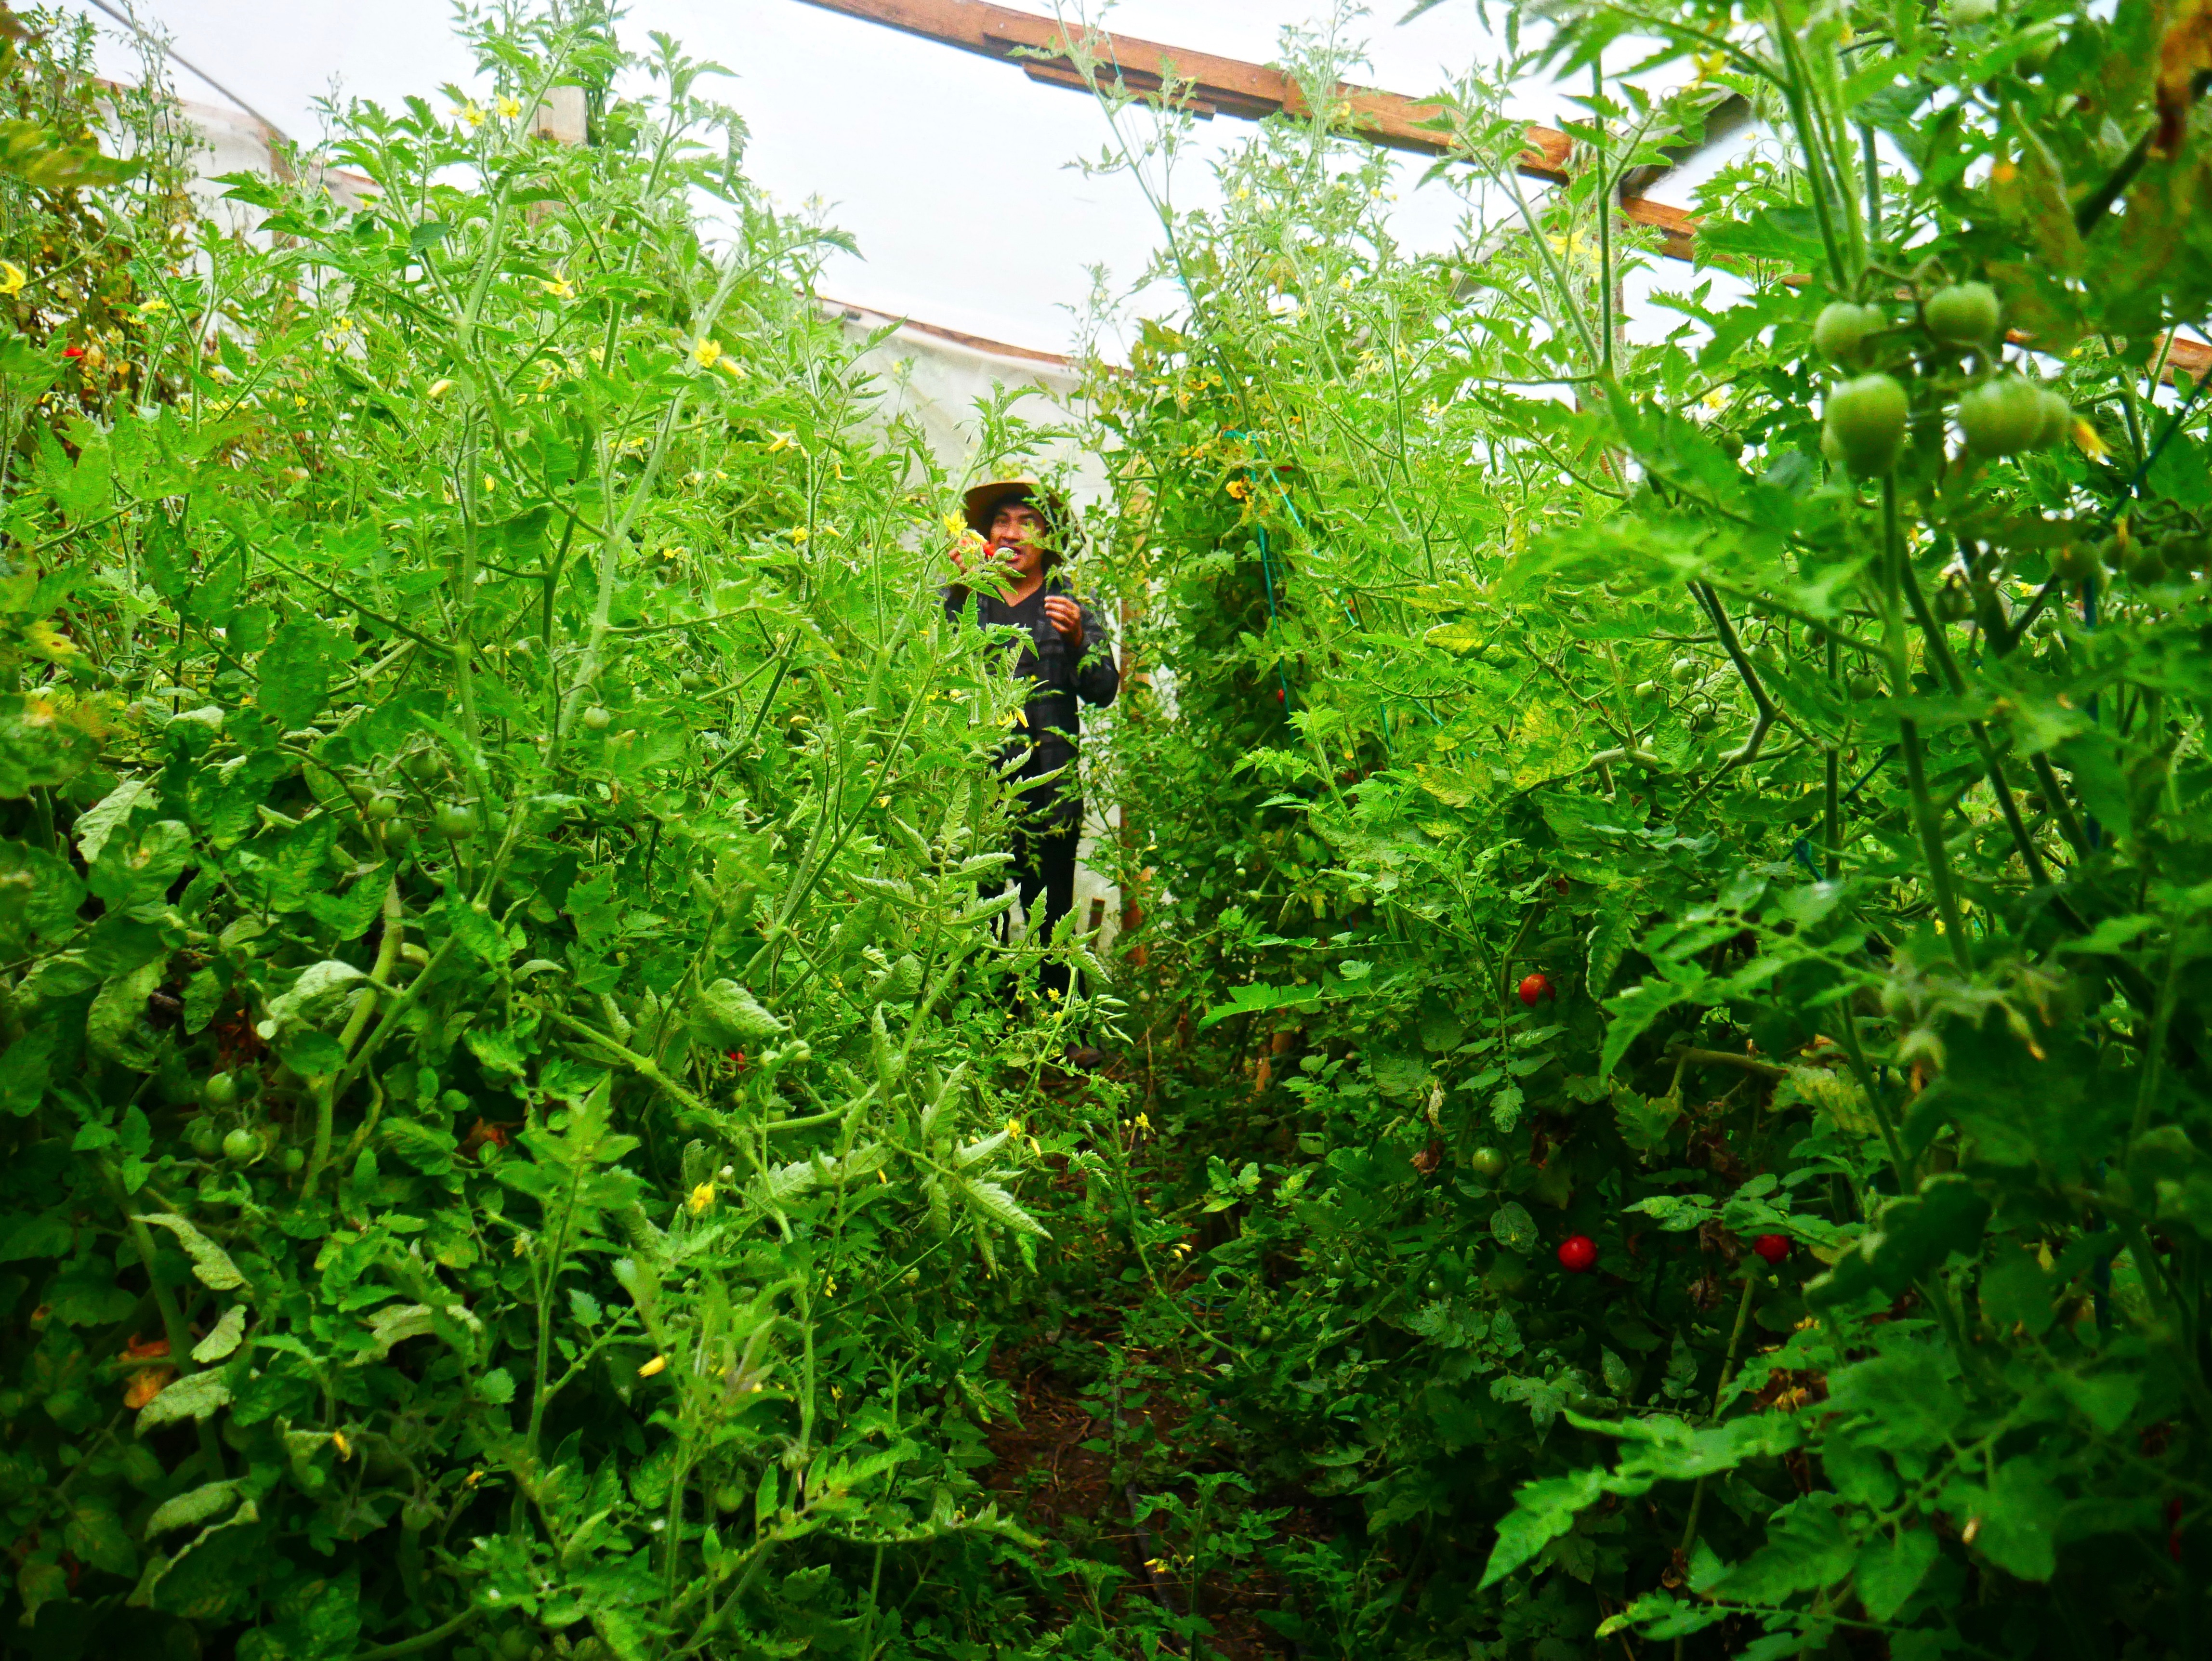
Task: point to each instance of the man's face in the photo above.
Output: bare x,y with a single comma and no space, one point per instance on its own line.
1016,537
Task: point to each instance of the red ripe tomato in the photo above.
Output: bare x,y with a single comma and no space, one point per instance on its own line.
1535,987
1578,1253
1772,1247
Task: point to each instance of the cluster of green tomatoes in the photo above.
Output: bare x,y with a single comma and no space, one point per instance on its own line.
1865,420
386,809
241,1144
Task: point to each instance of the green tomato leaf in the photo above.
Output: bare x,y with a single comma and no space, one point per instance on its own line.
195,1396
210,1262
1512,1227
296,673
193,1505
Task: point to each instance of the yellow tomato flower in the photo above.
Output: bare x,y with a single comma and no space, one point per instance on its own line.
507,109
652,1366
558,287
339,1441
11,278
783,441
2091,440
439,388
701,1197
708,353
472,113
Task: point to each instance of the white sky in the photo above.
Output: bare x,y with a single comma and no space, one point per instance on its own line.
949,169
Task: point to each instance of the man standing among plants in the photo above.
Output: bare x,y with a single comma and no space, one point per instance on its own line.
1063,652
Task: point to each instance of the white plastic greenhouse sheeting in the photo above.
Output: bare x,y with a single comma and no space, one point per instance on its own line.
932,376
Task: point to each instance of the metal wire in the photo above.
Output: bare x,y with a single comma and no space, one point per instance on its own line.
177,57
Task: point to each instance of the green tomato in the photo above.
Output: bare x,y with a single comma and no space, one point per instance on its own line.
220,1090
204,1137
597,719
2186,553
1863,685
690,680
1842,328
398,836
240,1145
1972,11
1862,424
729,1497
1434,1287
515,1645
2077,562
382,810
2001,417
2057,420
1488,1163
1964,314
294,1161
424,765
2035,53
1685,670
457,821
2143,562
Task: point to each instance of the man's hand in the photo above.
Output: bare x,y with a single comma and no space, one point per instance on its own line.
1065,615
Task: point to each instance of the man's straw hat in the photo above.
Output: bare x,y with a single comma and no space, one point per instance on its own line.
983,500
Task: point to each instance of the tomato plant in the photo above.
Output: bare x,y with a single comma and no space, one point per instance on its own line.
1824,636
501,1041
1727,803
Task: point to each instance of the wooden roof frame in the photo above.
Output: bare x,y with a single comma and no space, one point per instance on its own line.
1223,85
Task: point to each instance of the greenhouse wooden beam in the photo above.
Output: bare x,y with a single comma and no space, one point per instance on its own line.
1222,86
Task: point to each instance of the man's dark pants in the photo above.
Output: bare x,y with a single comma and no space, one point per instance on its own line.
1044,863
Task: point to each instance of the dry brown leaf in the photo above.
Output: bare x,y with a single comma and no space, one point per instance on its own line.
2184,55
